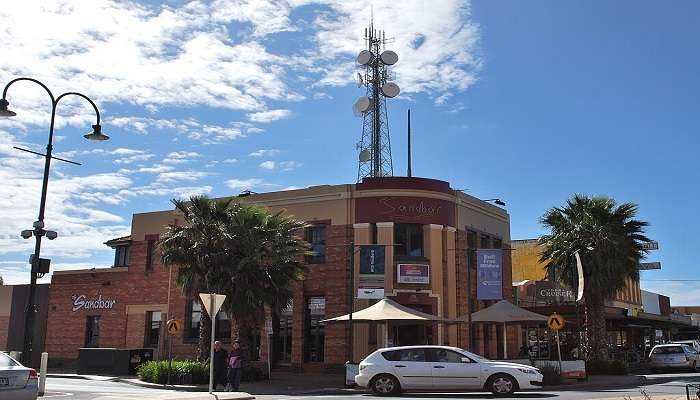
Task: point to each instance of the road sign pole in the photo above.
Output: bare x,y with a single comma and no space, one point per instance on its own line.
559,352
211,345
170,356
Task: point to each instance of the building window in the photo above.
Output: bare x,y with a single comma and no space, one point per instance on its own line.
316,236
408,240
121,256
485,242
92,331
254,343
223,326
194,318
153,321
497,243
313,329
150,255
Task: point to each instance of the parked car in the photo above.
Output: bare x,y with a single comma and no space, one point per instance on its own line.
16,381
694,344
668,356
392,370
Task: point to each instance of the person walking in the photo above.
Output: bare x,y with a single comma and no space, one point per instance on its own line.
220,363
234,367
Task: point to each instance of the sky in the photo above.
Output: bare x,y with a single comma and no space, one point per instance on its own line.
530,102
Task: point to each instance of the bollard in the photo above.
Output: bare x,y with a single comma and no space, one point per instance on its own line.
42,372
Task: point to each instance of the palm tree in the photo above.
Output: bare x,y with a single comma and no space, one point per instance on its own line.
2,282
196,249
609,241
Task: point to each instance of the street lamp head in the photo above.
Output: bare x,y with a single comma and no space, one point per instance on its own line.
500,202
4,111
26,234
96,133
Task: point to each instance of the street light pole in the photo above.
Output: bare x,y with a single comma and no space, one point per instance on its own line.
38,225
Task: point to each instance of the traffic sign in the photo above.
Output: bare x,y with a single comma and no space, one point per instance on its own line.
653,245
645,266
212,300
173,327
555,322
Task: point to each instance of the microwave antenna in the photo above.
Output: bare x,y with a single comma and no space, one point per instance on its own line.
375,75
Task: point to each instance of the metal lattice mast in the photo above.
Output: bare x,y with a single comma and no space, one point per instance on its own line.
375,145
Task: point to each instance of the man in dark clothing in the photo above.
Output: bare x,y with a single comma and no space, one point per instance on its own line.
220,365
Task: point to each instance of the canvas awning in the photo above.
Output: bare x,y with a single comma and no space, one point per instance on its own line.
387,310
505,312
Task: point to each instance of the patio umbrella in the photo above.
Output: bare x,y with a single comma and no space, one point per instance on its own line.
387,310
504,312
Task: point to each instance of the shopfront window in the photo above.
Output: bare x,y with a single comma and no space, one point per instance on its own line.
314,329
408,240
92,331
121,256
284,337
316,236
153,322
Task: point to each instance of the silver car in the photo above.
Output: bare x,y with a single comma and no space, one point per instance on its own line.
673,356
16,381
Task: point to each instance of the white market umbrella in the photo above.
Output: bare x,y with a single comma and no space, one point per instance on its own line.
386,310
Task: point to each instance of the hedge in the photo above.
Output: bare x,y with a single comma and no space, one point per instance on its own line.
186,372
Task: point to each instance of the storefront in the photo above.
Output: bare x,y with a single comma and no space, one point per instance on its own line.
427,233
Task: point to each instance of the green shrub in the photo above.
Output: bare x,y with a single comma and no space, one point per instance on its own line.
183,372
604,367
550,375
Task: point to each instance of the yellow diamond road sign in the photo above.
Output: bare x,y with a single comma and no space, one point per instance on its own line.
555,322
173,327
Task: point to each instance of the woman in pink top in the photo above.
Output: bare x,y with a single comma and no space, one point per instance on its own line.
234,367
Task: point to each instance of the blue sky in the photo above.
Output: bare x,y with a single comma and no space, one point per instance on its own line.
527,101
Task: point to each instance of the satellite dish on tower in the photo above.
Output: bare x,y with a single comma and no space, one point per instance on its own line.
362,105
389,57
390,89
365,57
364,156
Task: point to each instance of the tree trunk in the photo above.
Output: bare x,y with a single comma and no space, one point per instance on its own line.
596,335
203,345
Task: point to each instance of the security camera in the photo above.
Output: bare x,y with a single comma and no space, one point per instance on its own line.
51,235
26,234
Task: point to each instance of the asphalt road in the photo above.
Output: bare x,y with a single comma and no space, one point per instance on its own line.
79,389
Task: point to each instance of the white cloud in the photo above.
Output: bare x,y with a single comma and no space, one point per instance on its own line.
181,176
180,157
681,293
264,153
191,128
269,116
230,161
243,184
267,165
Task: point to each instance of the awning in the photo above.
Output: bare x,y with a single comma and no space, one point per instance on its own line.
504,312
387,310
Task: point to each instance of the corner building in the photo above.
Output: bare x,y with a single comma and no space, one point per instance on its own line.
422,222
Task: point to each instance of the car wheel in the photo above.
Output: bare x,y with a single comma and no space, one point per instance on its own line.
502,385
385,385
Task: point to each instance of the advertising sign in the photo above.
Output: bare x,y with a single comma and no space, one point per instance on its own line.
413,273
645,266
653,245
489,274
551,292
372,260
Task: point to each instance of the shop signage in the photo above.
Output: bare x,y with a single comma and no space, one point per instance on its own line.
419,210
82,302
317,306
653,245
370,293
489,274
645,266
372,260
551,292
413,273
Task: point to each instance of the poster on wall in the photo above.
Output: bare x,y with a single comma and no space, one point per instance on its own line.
371,282
413,273
489,274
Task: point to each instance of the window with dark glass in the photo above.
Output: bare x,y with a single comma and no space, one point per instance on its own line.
485,242
284,337
445,356
316,236
314,333
121,256
223,325
150,255
254,343
194,318
408,240
92,331
153,321
497,243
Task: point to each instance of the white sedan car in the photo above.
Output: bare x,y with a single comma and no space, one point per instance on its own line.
436,368
17,382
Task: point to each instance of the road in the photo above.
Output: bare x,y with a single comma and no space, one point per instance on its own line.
79,389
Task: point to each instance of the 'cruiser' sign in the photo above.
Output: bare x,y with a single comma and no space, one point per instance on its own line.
81,301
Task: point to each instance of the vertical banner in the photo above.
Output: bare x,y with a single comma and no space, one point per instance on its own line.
371,283
489,274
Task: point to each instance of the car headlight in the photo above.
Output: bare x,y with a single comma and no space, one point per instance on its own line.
363,366
528,370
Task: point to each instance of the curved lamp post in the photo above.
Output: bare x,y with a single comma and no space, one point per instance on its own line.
38,232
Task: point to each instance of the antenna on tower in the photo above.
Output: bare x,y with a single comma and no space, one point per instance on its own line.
409,144
375,144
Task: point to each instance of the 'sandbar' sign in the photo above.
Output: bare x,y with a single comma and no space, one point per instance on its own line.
82,302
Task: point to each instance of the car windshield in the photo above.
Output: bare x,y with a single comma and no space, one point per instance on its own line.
668,350
6,361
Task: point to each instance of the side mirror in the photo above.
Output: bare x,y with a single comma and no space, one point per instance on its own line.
465,360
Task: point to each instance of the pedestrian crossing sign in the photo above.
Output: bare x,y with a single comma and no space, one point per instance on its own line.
555,322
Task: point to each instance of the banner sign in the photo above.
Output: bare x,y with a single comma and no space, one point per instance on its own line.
372,260
653,245
645,266
413,273
489,274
